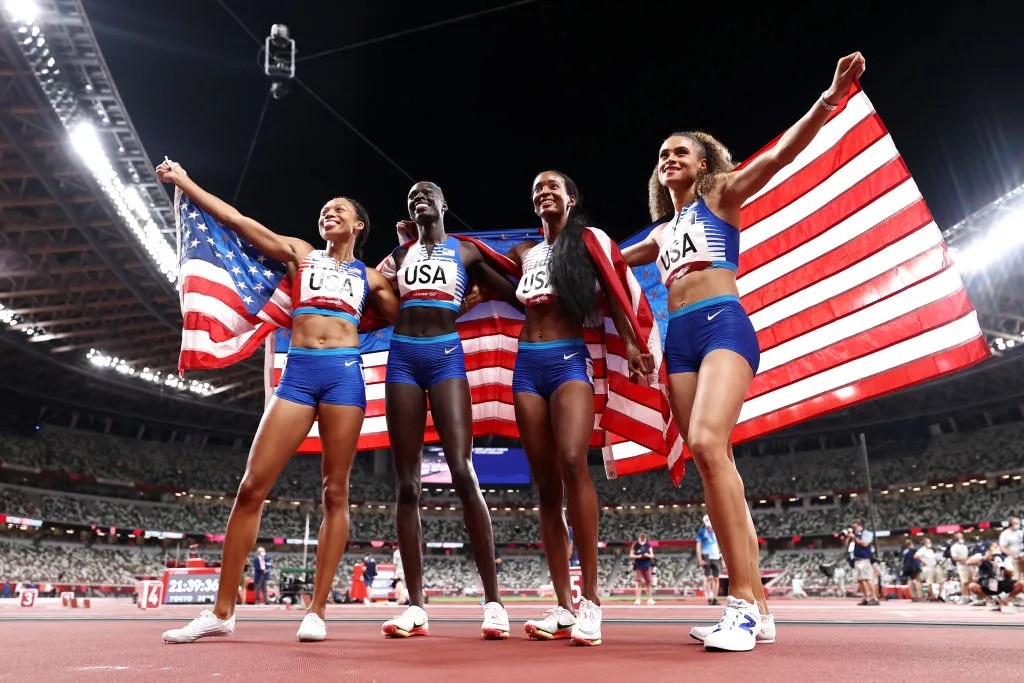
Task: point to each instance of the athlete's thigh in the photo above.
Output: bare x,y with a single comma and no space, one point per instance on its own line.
339,433
452,410
534,422
572,417
722,383
282,428
405,406
682,388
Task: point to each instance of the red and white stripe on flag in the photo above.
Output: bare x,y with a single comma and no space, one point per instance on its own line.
846,279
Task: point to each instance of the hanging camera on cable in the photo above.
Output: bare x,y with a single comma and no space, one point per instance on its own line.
279,60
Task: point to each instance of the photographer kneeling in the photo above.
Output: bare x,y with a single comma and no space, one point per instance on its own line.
996,576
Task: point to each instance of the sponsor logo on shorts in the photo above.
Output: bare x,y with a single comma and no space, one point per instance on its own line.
567,356
712,316
350,363
447,351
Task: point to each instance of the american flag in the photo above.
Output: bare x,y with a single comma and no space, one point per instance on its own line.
846,279
232,296
490,332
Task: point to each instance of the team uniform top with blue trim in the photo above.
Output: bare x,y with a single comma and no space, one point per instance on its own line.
535,285
436,278
323,286
694,240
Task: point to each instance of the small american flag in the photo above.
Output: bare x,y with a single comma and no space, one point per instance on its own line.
846,279
232,296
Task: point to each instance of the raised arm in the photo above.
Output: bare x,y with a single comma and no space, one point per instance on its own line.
644,251
287,250
640,364
736,187
383,295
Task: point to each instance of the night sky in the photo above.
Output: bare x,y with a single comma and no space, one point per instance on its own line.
586,87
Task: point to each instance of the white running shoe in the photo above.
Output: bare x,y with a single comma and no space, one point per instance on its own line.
702,632
495,626
205,625
737,631
637,602
411,622
1008,609
650,601
587,630
556,623
766,634
311,629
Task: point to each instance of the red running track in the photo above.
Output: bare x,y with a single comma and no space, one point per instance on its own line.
641,644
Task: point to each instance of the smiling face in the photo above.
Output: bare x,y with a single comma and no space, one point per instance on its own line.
339,220
426,202
680,159
551,196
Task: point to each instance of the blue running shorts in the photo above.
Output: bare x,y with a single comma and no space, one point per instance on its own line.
717,323
331,376
425,361
542,367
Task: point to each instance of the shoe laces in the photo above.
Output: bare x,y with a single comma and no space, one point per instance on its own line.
493,610
589,611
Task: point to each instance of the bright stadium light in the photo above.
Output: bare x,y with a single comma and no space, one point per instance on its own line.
77,119
126,198
21,11
123,367
1003,237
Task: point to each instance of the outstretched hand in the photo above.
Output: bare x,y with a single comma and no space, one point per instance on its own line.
170,172
849,68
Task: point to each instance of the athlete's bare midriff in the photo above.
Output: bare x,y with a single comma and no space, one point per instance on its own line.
548,322
425,321
702,284
311,331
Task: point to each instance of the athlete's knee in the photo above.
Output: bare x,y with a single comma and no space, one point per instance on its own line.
251,493
407,492
464,479
335,495
573,465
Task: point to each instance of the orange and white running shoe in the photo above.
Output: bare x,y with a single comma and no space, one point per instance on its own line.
556,623
495,626
411,622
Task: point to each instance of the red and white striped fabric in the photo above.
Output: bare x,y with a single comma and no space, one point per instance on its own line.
846,279
490,332
231,296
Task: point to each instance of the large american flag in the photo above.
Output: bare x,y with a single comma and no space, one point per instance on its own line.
846,279
232,296
624,412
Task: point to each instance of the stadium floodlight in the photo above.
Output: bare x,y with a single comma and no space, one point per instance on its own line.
126,199
1004,236
21,11
107,361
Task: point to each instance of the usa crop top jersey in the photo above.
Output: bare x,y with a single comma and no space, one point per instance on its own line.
435,278
694,240
535,284
324,286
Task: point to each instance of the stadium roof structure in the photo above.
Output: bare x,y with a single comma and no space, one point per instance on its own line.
73,275
79,265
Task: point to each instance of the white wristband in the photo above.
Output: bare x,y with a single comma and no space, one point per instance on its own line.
824,103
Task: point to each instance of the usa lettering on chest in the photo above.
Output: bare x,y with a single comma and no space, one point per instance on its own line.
325,282
425,273
677,249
